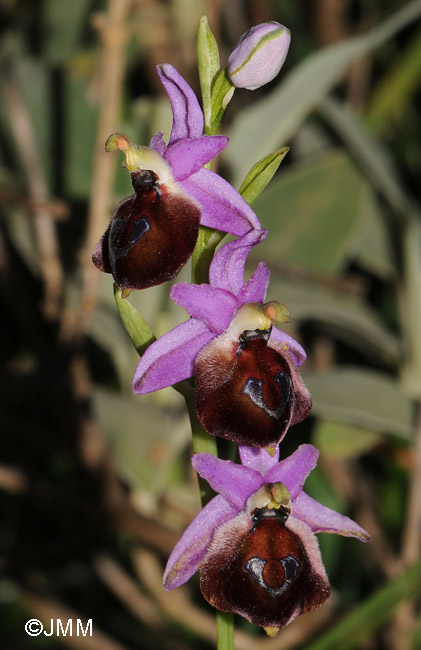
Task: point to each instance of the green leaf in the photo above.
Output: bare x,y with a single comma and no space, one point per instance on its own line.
208,63
222,92
369,153
65,24
261,174
342,440
146,443
415,642
311,212
391,96
365,398
372,243
79,137
374,612
137,328
277,117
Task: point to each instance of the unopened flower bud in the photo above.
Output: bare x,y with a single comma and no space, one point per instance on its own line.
259,55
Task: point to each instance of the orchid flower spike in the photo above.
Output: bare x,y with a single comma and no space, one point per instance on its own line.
248,388
153,233
254,543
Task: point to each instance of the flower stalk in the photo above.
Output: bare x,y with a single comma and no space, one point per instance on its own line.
225,630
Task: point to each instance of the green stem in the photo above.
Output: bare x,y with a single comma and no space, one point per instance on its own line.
202,442
225,630
215,99
207,242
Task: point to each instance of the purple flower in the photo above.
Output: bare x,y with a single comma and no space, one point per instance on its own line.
248,388
254,543
153,233
259,55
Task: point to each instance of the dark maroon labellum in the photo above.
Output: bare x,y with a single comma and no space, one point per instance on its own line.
250,395
151,235
267,576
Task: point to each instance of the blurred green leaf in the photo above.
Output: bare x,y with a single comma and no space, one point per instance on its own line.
65,22
79,137
261,174
416,637
311,212
370,155
274,119
372,245
361,397
145,435
342,440
391,96
374,612
392,494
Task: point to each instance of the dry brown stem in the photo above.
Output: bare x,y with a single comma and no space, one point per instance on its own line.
57,209
23,132
406,616
356,490
126,589
113,34
411,542
93,449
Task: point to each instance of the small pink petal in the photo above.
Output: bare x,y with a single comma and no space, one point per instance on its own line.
258,459
235,482
186,157
214,307
190,550
227,268
157,144
255,288
293,471
289,344
322,519
222,206
170,359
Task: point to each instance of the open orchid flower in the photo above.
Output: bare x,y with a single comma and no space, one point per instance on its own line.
248,388
254,543
153,233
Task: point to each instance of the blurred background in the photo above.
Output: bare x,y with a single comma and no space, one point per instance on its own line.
95,482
